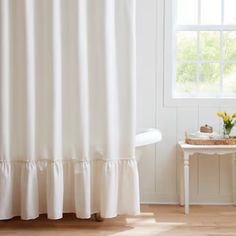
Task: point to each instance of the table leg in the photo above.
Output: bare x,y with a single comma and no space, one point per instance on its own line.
186,183
234,180
181,181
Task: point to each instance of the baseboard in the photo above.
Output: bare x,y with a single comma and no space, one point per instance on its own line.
192,203
171,199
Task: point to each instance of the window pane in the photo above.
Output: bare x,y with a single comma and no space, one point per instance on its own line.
186,78
229,80
186,46
209,78
210,45
230,46
211,12
229,12
187,12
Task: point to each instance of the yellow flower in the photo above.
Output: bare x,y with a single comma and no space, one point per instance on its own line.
226,118
234,115
220,114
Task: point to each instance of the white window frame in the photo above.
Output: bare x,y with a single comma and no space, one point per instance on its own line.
169,57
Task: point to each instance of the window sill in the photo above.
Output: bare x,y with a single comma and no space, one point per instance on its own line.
199,101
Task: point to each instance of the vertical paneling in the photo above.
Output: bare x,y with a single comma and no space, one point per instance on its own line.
146,89
209,174
187,121
147,169
146,63
166,158
225,184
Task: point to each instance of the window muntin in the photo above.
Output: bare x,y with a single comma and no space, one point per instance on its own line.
205,48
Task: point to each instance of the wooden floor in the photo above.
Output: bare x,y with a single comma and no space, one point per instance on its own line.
154,220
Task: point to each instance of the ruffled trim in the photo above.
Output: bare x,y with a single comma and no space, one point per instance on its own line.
30,188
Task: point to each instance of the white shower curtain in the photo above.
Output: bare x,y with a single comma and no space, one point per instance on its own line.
67,108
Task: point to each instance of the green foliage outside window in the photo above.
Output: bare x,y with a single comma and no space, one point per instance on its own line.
208,73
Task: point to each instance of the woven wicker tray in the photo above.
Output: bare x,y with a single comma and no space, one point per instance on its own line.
230,141
195,141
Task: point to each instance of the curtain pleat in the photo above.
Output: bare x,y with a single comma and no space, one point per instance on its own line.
82,190
55,190
5,80
110,65
29,191
83,79
67,108
6,189
30,78
57,79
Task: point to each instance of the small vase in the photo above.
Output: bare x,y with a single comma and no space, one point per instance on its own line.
227,131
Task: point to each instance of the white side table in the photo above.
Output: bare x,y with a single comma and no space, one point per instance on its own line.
189,150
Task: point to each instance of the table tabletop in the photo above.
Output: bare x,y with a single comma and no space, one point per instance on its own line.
186,146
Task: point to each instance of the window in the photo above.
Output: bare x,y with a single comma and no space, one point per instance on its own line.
201,48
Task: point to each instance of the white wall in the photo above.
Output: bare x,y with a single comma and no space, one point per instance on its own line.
210,177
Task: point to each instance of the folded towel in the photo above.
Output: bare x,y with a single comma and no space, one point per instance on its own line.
201,135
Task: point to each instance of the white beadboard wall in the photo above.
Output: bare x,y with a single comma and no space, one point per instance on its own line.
210,177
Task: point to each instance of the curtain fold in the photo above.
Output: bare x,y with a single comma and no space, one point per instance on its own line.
67,108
